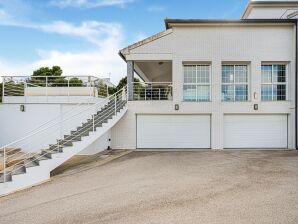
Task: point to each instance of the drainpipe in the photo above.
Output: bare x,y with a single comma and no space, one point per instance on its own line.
296,83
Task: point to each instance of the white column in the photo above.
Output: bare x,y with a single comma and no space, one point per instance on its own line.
130,78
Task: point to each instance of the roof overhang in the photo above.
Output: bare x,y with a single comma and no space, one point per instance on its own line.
127,50
169,23
259,3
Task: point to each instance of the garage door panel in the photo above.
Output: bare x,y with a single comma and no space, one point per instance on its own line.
173,131
255,131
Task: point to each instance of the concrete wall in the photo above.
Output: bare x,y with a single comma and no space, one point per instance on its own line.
216,44
16,125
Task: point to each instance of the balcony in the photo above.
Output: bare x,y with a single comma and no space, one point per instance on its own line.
152,91
53,89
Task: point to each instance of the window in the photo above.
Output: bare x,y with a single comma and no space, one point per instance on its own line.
234,83
274,82
196,83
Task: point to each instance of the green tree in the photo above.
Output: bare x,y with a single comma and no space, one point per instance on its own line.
122,83
55,77
46,71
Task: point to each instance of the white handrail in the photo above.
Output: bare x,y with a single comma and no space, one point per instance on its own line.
30,135
27,156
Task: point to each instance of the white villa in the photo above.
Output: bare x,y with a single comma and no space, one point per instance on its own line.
207,84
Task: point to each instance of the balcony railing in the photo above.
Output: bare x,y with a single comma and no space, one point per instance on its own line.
153,91
52,86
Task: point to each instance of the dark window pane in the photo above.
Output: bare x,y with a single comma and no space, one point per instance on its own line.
241,92
266,92
227,74
227,93
279,92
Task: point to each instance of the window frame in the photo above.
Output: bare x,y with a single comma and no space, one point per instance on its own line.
234,83
209,84
272,83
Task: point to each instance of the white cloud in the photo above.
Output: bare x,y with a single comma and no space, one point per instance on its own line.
103,60
156,8
88,3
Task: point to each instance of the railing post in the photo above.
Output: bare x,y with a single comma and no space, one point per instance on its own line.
93,123
115,104
68,89
4,165
47,88
145,93
3,86
25,87
159,94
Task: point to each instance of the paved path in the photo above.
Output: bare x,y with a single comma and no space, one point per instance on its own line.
168,187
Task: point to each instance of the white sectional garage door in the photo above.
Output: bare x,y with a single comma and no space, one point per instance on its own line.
173,131
255,131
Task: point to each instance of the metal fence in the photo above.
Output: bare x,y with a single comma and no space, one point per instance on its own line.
153,91
24,86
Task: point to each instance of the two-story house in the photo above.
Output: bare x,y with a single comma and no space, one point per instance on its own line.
215,84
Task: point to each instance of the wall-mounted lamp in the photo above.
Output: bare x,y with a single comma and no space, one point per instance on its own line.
256,106
22,108
176,106
255,95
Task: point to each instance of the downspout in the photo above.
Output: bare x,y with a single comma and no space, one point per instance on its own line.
296,83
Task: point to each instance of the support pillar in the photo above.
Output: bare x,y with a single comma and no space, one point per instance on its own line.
130,79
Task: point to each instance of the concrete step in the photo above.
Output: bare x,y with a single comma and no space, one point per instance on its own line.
9,151
46,155
8,177
31,162
18,169
72,137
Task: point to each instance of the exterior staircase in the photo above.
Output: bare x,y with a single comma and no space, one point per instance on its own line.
19,170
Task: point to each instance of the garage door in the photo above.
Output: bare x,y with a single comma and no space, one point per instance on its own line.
255,131
173,131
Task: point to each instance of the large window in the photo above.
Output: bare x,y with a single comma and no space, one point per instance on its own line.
274,82
196,83
234,81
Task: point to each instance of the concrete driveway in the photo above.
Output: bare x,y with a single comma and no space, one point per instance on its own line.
167,187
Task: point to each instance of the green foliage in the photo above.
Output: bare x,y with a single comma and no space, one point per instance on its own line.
54,78
122,83
75,82
46,71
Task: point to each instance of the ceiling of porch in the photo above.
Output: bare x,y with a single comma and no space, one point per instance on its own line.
154,71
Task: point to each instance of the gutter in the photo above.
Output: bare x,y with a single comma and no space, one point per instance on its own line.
168,22
122,56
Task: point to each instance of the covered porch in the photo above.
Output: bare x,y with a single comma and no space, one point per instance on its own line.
155,80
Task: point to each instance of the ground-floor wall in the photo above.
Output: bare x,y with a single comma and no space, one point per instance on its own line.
16,124
124,133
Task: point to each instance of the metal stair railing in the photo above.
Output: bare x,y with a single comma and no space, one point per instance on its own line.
113,104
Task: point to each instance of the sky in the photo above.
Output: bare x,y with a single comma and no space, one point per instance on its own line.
83,37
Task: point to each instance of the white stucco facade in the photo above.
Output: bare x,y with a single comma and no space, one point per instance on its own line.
16,125
215,43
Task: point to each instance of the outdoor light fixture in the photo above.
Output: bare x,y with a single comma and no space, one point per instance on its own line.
255,95
256,106
176,106
22,108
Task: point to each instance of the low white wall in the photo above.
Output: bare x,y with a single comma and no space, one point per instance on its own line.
61,91
51,99
99,145
16,125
